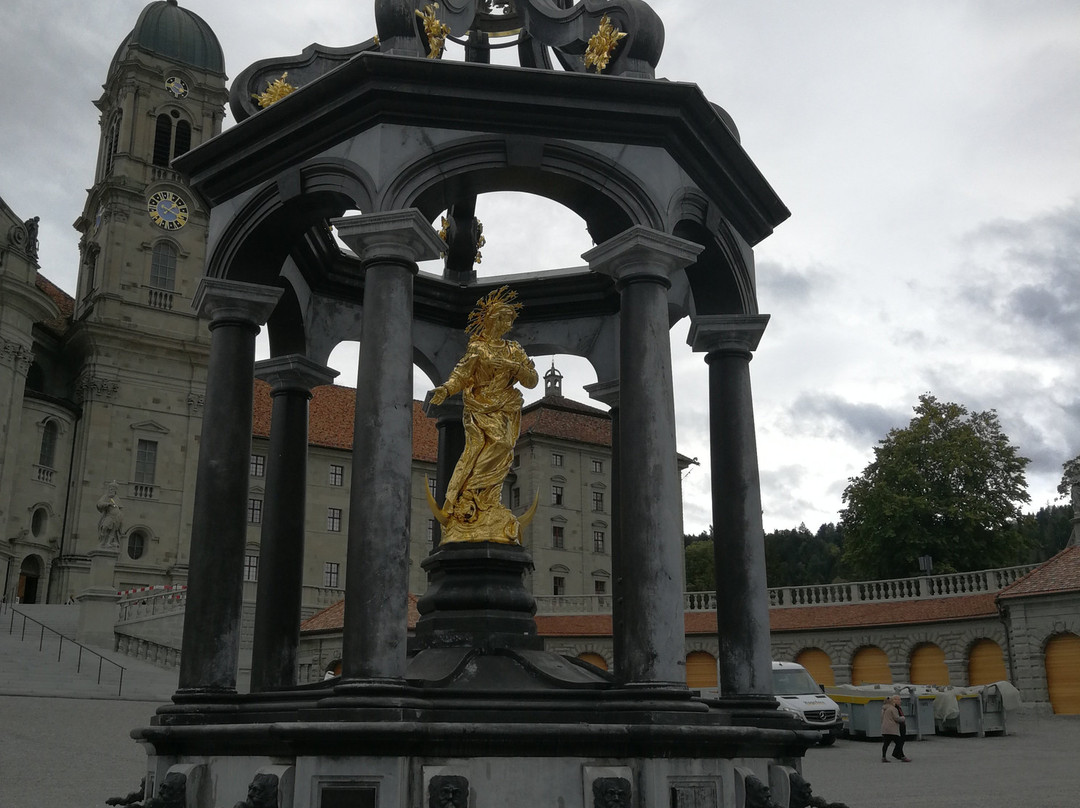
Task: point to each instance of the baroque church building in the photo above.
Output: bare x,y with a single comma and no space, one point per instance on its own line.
101,393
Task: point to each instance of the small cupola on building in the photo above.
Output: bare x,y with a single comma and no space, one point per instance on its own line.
553,382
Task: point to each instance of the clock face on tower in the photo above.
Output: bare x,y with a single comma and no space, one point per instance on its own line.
176,86
167,210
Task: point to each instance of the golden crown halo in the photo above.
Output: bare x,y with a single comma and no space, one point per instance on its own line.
503,297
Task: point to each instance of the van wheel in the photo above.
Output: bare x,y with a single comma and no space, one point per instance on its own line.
828,739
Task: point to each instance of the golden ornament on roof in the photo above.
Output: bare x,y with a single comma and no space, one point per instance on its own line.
435,30
602,44
274,92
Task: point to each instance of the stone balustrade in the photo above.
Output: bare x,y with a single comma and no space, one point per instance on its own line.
893,589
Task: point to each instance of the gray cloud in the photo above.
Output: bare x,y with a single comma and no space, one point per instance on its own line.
838,418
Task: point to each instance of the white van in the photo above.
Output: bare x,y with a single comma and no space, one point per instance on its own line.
798,693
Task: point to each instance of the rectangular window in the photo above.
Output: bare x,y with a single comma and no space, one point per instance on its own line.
556,495
254,510
556,459
598,501
515,497
258,465
558,585
598,466
330,575
431,484
333,520
558,536
337,475
599,587
251,568
145,462
517,461
430,533
598,541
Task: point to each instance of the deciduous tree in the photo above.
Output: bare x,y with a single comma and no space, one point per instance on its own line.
948,485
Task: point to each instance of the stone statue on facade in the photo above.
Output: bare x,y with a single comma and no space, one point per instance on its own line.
486,377
111,523
448,791
31,226
262,792
172,793
611,792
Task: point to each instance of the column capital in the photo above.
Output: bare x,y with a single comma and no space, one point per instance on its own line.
605,392
395,235
640,253
223,299
726,332
293,372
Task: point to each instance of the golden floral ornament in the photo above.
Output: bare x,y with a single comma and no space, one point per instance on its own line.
274,92
435,30
602,44
480,241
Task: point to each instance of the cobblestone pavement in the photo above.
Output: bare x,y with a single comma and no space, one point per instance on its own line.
74,753
1037,765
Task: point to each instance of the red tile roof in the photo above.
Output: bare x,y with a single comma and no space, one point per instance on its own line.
63,301
1060,574
332,618
330,420
801,618
559,417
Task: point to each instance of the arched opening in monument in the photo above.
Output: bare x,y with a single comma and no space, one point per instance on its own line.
1063,673
870,666
818,665
928,665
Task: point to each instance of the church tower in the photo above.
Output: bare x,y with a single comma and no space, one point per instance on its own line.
138,350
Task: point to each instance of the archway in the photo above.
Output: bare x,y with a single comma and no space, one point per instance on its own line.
818,664
928,665
1063,673
986,663
870,666
29,577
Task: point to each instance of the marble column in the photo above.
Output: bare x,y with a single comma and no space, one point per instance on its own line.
377,573
281,549
451,431
219,523
642,262
608,393
742,598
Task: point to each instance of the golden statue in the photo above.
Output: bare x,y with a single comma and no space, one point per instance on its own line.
485,376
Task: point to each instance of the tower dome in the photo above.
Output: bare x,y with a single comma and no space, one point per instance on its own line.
172,32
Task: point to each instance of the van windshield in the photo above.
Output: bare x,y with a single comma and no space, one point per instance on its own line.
793,682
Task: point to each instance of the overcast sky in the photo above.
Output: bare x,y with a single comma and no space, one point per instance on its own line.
929,153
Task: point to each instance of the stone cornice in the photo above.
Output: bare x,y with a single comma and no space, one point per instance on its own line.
15,355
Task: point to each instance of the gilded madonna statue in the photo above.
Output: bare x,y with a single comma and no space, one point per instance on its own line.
486,377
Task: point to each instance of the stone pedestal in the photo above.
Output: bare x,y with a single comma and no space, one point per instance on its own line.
97,603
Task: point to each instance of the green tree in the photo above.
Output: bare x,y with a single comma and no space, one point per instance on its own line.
700,567
799,558
1046,531
948,485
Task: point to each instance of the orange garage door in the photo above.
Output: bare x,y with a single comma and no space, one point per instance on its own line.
928,665
870,667
1063,673
593,659
819,665
986,663
700,669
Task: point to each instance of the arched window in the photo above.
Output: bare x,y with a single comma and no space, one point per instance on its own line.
47,456
112,140
136,545
162,140
183,138
163,266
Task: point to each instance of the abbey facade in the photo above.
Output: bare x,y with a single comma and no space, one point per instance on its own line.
102,387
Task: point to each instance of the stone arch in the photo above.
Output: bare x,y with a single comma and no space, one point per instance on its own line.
982,656
819,664
870,661
721,281
926,665
30,587
592,185
701,669
260,234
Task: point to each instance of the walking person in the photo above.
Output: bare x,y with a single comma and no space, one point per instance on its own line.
892,730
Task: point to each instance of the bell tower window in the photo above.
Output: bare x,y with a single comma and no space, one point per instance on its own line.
183,138
163,266
162,140
112,141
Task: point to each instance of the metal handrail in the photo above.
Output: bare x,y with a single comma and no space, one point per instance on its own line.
60,646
